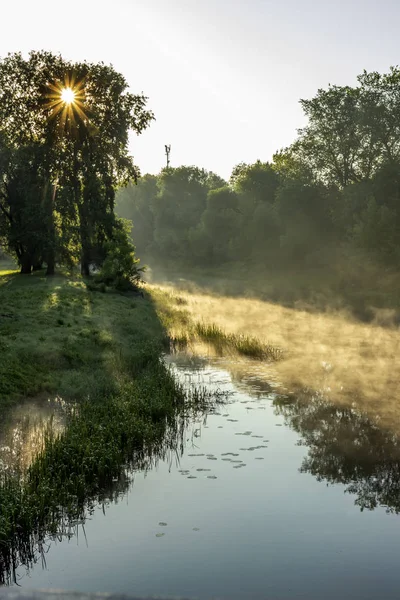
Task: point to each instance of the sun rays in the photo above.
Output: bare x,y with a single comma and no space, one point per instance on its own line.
65,99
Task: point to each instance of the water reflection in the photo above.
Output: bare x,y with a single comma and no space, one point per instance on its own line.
346,447
23,429
232,475
22,437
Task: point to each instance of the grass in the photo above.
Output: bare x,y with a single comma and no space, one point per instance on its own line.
57,336
241,344
329,351
347,282
101,353
184,328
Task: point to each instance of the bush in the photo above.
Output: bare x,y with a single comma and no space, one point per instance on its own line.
120,268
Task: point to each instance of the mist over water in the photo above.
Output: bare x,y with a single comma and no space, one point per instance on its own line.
331,352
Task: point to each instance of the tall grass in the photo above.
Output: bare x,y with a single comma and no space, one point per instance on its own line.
180,321
242,344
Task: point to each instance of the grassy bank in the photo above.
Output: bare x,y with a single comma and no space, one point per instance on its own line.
100,352
58,337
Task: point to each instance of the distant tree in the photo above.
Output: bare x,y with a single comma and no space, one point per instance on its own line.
220,223
258,181
179,206
136,203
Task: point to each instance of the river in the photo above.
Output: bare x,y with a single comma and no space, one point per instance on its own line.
274,496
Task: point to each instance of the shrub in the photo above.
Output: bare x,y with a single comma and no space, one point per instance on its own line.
120,268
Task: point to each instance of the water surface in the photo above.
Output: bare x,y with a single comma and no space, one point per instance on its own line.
273,497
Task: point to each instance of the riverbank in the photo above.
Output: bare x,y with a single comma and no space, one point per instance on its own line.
101,354
58,337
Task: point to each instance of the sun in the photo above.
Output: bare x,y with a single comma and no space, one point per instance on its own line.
65,100
67,95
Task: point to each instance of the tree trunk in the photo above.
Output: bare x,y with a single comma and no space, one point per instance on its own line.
37,265
50,264
51,254
26,264
85,271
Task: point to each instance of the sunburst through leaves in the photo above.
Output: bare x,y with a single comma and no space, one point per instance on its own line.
66,101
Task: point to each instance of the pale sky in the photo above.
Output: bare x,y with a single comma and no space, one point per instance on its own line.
223,77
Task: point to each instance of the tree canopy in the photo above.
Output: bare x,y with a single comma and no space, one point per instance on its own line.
336,187
62,157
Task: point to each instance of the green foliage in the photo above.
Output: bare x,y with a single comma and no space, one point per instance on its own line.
335,189
377,232
120,268
59,164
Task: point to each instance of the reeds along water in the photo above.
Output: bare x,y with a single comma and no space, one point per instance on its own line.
89,462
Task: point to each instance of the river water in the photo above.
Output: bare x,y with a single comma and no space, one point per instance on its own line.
273,497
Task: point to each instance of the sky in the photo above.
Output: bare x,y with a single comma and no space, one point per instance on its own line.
223,77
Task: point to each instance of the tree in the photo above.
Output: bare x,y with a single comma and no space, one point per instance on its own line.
220,222
257,182
332,145
82,139
179,206
136,203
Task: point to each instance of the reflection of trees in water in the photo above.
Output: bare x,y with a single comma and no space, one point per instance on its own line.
345,446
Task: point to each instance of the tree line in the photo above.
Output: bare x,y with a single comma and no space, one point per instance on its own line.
63,152
336,186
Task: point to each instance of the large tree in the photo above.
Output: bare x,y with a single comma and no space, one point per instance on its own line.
76,117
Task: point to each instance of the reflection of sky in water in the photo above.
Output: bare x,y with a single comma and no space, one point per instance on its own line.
212,526
22,431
